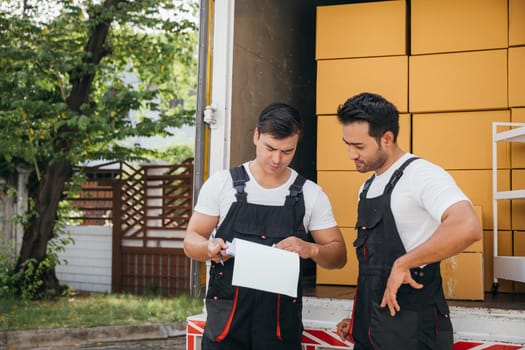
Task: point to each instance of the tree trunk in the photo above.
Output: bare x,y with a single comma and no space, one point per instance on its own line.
39,230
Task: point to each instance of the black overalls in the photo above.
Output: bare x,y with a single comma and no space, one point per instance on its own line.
423,321
246,319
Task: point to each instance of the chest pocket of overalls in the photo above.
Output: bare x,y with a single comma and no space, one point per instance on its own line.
367,235
265,224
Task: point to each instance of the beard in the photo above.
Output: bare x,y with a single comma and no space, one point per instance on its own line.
373,164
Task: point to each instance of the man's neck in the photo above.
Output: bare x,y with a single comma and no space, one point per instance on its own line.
396,154
268,180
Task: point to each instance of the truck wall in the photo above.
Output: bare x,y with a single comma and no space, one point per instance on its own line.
273,60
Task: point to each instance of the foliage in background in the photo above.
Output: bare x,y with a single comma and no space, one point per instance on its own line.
95,309
175,154
27,282
146,65
6,267
66,97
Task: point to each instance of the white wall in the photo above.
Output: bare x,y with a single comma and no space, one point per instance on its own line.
6,212
89,259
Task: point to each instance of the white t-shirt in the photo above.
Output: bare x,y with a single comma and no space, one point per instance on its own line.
419,198
217,194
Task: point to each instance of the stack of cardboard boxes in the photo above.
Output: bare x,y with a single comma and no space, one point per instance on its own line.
452,67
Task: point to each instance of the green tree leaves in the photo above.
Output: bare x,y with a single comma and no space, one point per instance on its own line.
64,93
78,78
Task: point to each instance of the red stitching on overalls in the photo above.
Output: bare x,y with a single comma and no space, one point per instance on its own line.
226,329
351,327
436,321
278,330
370,338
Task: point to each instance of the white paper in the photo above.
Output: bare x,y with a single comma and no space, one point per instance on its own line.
265,268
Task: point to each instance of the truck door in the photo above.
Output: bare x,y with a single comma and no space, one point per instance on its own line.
252,53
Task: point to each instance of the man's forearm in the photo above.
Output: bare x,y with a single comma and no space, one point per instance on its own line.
331,255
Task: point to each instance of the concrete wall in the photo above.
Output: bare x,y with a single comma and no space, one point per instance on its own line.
7,209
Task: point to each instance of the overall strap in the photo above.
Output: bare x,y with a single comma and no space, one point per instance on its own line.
366,186
397,175
296,189
239,176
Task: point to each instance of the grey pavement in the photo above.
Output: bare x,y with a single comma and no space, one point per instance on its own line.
176,343
134,337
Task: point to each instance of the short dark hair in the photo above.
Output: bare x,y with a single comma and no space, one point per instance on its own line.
280,120
381,115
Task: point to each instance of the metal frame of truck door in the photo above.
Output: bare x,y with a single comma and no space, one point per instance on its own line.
214,86
221,84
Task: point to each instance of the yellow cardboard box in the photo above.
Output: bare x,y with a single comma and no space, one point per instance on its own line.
519,250
463,139
361,30
517,76
457,25
477,185
458,81
342,188
517,149
518,205
463,276
516,22
338,80
332,153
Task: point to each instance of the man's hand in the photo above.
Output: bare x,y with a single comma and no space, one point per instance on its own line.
217,246
398,276
343,329
293,244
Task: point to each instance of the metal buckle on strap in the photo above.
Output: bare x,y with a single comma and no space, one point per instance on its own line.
239,185
295,190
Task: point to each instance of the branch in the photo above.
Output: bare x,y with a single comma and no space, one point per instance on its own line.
62,89
81,85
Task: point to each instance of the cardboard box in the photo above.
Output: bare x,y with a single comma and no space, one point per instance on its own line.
477,185
457,25
342,188
504,249
404,138
338,80
332,153
463,276
518,205
516,22
361,30
458,81
517,149
348,274
463,139
517,76
519,250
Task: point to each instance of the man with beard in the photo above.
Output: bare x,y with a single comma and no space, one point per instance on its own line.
411,215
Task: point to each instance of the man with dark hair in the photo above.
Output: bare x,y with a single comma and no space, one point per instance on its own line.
266,202
411,215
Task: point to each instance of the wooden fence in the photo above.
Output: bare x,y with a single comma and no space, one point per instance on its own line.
148,208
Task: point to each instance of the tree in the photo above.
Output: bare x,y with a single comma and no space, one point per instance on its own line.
63,99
